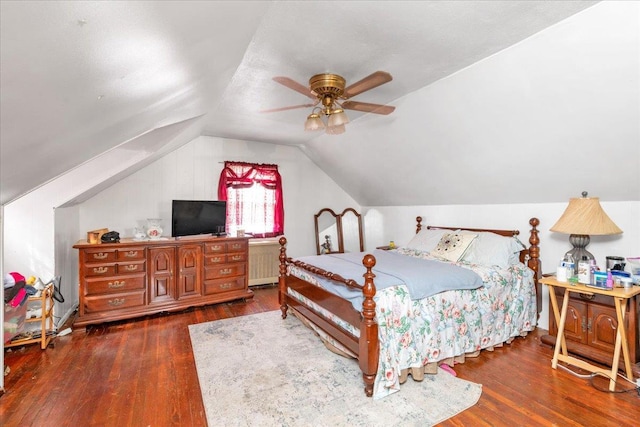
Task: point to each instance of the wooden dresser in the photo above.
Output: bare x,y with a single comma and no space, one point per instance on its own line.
591,326
135,278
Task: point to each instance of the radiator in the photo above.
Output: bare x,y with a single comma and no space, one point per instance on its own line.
263,261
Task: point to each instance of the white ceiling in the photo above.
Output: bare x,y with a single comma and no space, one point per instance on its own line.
80,78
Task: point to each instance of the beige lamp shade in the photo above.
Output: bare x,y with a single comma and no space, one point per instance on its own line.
584,215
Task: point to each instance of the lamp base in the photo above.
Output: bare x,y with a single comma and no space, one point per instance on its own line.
579,253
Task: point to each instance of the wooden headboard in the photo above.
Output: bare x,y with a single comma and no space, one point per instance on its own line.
529,256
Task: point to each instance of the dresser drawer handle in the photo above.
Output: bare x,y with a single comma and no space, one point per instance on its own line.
226,271
131,254
215,259
216,248
131,267
116,302
236,257
226,285
100,270
236,246
100,255
116,284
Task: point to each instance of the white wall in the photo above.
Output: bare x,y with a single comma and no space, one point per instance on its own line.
66,231
32,244
398,223
192,172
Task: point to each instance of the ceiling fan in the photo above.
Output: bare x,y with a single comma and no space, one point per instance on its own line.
331,92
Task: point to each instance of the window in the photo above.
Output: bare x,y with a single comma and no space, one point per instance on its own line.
254,198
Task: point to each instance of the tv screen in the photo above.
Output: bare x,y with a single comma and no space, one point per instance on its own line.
191,217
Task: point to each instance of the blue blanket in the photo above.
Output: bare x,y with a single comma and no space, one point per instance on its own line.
422,277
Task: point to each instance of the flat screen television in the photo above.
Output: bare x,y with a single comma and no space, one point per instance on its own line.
192,217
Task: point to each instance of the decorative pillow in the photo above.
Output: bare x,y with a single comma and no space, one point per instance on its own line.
452,246
426,240
493,249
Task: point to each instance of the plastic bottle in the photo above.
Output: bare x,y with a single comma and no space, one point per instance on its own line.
561,272
584,271
570,265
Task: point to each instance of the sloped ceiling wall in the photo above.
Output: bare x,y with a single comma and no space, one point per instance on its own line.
541,121
80,78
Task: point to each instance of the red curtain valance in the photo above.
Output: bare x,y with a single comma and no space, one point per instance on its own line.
238,175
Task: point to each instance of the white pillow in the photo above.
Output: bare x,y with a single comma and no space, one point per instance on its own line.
493,249
426,240
452,246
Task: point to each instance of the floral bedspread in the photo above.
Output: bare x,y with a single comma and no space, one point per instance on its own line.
416,332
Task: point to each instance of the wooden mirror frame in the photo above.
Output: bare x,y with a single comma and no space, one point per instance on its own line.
339,228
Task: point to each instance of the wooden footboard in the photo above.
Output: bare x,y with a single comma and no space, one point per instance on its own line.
366,346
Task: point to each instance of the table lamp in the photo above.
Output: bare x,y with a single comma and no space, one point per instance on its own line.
583,217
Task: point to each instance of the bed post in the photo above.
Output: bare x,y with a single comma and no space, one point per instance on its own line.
368,343
418,224
282,285
534,260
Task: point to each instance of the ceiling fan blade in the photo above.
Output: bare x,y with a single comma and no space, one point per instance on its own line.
292,84
368,108
292,107
374,80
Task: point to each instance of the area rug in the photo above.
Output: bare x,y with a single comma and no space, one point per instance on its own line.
265,371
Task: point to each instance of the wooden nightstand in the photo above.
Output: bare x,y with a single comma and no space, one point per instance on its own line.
621,297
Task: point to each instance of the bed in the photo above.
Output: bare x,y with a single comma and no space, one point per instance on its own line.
374,313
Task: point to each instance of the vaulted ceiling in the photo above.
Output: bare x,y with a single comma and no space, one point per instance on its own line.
81,78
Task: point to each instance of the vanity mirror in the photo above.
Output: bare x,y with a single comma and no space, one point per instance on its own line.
338,233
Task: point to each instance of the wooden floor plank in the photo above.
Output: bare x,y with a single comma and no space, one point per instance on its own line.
142,372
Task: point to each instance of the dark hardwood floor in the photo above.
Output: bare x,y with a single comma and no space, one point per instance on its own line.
142,373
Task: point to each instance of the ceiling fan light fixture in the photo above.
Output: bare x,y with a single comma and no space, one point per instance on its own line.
335,130
313,123
331,97
337,118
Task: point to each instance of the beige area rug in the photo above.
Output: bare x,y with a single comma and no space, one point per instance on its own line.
260,370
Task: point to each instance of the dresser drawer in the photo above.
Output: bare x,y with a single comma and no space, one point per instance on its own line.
237,246
224,270
97,255
131,267
99,270
117,284
239,257
223,285
131,254
113,302
215,248
213,259
223,247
